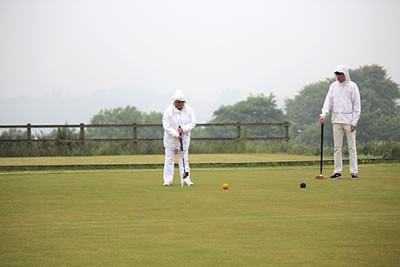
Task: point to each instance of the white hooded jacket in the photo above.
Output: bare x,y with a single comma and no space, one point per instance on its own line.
173,118
343,99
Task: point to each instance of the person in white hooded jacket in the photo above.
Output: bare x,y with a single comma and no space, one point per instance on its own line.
343,99
178,119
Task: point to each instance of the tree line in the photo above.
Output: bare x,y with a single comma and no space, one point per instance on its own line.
379,121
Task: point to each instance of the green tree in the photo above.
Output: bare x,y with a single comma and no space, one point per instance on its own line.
304,109
126,115
13,134
255,109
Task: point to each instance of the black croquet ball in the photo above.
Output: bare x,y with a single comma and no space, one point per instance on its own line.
303,185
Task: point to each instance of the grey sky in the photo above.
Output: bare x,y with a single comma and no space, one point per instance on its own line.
215,51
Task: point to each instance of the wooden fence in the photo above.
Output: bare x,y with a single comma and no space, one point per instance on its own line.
81,136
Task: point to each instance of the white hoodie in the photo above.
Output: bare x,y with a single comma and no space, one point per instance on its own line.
173,118
343,99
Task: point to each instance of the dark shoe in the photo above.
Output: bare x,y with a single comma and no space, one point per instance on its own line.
354,176
336,176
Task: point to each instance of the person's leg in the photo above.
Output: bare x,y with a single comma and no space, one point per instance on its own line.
169,166
338,143
351,141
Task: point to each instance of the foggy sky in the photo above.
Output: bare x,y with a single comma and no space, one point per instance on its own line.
82,55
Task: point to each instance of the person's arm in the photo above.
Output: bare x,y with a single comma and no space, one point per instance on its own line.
327,106
356,101
192,122
167,126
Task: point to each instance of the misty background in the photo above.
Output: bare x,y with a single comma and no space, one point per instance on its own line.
63,61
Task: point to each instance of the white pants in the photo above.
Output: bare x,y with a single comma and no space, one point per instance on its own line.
338,131
169,165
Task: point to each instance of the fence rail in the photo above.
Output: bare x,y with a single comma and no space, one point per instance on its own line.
81,137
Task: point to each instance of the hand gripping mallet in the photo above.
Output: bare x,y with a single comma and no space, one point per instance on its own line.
185,173
322,147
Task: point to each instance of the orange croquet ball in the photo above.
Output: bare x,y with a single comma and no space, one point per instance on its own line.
225,186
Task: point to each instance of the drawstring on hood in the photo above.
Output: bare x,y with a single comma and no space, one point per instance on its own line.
345,70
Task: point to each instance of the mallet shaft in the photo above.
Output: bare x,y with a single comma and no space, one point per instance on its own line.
322,147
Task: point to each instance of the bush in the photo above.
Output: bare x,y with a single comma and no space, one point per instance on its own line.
388,149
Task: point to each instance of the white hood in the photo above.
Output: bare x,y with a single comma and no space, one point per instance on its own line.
343,69
178,96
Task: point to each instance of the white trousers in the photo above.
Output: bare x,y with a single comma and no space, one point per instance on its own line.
169,165
338,131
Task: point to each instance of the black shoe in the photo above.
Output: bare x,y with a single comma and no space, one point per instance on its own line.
336,176
354,176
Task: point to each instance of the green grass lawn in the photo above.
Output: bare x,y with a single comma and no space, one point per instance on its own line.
126,218
156,159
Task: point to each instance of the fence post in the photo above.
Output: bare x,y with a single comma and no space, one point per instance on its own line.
134,133
287,131
28,132
238,130
82,131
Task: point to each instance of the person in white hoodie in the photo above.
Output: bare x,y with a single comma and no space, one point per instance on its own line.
343,99
178,121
